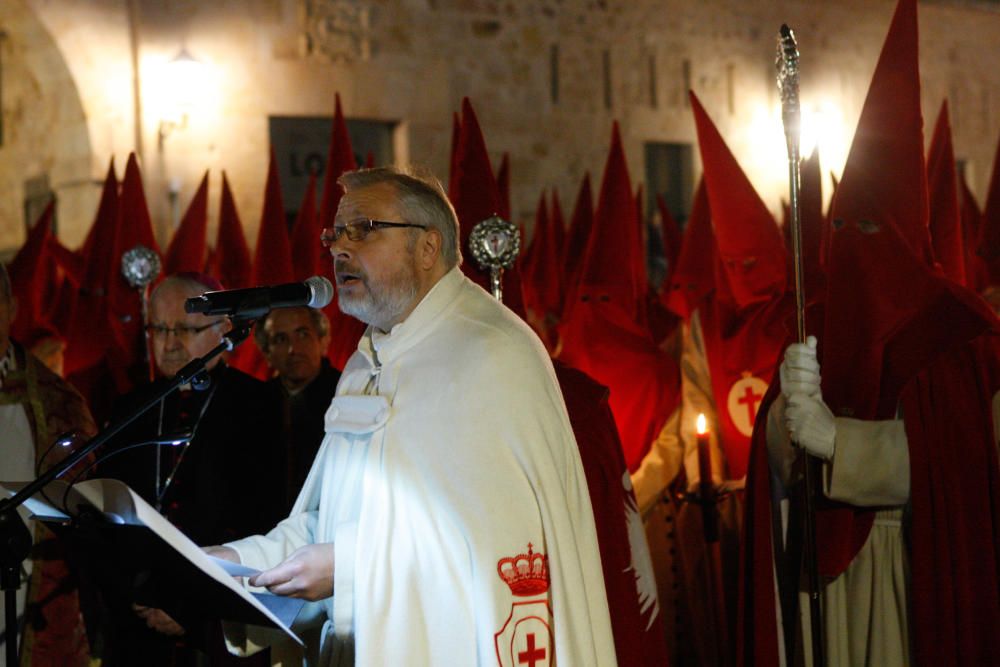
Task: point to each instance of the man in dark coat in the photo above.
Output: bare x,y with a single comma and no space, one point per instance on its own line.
295,341
223,481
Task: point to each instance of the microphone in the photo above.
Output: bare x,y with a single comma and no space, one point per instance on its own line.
253,302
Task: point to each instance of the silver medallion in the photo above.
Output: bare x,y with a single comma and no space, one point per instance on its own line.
140,266
495,244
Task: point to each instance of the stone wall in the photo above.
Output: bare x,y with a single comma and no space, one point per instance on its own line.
412,61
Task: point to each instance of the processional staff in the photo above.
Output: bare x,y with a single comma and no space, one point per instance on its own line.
787,64
140,267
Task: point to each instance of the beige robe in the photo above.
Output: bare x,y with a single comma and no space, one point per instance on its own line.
865,608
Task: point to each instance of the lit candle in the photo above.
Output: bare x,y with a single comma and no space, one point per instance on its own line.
706,490
704,453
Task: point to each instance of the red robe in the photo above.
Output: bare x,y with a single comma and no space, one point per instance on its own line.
637,628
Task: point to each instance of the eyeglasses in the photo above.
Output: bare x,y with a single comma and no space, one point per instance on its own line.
181,331
358,230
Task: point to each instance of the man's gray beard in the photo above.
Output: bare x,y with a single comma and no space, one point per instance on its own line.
381,304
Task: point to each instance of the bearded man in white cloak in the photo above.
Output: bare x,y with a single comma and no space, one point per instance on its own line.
446,518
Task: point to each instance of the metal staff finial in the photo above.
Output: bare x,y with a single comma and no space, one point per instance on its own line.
140,267
495,244
787,64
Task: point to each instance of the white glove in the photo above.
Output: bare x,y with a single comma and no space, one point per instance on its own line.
811,424
799,372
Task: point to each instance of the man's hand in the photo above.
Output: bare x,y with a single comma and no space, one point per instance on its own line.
811,425
225,553
158,620
799,372
306,574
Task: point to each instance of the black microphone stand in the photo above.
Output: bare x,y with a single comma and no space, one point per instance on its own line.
15,540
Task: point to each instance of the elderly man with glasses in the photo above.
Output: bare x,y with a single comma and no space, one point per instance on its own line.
223,481
446,519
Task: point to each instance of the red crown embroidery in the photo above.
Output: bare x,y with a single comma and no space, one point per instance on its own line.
526,574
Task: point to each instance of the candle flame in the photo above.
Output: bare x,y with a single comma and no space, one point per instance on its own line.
701,424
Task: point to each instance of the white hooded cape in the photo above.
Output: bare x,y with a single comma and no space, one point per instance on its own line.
448,450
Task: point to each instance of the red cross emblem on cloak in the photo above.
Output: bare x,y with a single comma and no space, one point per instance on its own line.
526,637
744,398
525,640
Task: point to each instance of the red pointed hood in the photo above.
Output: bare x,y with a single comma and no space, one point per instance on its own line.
609,268
601,332
340,158
671,235
885,174
186,252
532,256
29,278
945,214
90,332
694,276
456,139
135,227
476,197
535,272
100,246
558,226
640,269
873,286
503,186
232,256
306,248
60,311
976,275
70,261
344,330
749,241
580,227
556,283
273,255
989,233
544,280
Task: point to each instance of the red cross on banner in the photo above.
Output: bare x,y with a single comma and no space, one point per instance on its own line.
750,399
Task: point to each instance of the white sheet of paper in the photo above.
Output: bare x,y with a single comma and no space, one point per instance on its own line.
122,505
234,569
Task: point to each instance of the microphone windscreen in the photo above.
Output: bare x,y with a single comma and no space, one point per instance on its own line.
322,292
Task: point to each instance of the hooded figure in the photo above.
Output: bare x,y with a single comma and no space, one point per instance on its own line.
895,400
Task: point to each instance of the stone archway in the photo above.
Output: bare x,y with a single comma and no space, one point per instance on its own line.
46,142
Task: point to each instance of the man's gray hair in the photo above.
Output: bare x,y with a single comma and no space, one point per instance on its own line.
6,291
320,322
422,201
